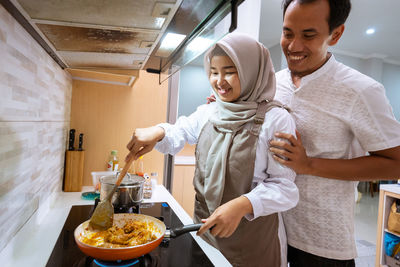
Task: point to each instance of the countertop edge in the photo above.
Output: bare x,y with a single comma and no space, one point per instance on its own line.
184,160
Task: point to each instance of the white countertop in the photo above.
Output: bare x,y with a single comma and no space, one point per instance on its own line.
34,242
394,188
184,160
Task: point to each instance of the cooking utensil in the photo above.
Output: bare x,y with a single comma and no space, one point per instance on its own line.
80,142
102,217
129,192
71,139
131,252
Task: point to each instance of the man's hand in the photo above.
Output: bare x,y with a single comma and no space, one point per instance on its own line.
291,153
143,141
226,218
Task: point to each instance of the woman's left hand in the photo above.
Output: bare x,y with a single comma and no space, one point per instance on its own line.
226,218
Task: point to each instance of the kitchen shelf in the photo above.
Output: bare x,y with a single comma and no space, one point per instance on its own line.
393,233
388,194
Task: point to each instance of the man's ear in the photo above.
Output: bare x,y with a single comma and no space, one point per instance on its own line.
336,34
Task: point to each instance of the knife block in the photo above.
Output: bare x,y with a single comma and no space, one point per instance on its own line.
73,171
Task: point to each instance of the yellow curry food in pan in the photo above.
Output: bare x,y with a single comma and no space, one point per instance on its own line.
133,233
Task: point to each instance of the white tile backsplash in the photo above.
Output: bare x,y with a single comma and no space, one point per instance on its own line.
35,103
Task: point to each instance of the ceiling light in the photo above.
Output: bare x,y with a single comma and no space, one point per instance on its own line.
199,43
170,42
370,31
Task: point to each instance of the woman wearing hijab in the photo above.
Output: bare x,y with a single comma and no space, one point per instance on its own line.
240,188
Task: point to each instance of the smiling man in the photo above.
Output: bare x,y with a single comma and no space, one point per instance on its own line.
340,115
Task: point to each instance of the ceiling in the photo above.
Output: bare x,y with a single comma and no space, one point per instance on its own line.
97,34
382,15
90,34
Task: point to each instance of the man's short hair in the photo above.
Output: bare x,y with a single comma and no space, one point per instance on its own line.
339,10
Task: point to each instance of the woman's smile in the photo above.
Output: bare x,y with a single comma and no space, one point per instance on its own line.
224,78
224,91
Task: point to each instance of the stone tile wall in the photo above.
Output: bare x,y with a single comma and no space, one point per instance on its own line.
35,102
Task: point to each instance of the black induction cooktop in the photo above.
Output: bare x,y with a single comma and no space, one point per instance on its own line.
182,251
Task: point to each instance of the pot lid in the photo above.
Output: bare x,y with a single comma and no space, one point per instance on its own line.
129,180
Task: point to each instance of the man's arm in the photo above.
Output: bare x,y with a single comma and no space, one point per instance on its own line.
379,165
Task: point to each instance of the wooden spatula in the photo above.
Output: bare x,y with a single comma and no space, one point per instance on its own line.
103,215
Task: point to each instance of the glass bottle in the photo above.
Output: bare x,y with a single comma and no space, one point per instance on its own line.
113,162
139,170
147,190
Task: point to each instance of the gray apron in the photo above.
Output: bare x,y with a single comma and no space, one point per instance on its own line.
254,243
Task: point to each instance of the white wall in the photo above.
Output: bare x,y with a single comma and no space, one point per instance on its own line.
277,57
194,88
373,67
249,13
391,81
354,62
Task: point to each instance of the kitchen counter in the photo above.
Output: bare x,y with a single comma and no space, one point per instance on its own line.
34,242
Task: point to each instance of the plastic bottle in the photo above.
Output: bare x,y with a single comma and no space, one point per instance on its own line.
113,162
139,170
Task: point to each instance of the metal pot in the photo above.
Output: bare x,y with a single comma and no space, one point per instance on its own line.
129,193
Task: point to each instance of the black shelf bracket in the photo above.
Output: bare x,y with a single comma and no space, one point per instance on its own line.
234,12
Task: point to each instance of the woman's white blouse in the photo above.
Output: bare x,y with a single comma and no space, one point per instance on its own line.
273,188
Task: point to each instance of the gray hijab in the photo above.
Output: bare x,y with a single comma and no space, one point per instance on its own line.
257,81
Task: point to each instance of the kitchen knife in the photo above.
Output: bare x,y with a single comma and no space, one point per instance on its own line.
80,142
71,139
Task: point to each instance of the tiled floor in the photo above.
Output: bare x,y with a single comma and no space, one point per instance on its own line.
366,215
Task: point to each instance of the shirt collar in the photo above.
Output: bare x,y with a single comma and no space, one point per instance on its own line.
323,69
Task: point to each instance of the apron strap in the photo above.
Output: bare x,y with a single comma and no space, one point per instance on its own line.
262,109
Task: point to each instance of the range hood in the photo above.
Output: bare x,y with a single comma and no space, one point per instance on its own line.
196,26
122,34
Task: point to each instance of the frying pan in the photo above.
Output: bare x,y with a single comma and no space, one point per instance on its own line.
130,252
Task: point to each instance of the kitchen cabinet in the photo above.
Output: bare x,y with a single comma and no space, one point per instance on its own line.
182,182
182,187
388,194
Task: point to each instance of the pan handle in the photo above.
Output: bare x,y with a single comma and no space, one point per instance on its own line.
182,230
